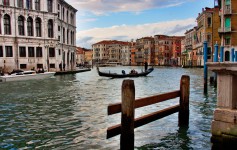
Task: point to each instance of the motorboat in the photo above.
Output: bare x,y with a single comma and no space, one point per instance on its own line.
19,75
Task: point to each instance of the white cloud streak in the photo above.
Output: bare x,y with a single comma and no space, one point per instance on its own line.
101,7
125,33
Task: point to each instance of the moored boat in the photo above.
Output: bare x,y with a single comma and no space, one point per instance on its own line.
124,75
20,75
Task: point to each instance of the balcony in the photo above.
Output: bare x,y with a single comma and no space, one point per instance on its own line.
224,30
227,11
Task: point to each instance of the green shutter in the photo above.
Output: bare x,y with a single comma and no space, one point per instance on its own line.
227,22
227,2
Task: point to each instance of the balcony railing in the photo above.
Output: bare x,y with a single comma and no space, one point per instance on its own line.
224,30
228,11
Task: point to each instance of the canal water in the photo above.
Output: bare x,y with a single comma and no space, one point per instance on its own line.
70,112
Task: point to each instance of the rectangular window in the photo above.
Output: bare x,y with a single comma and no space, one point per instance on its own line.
209,38
6,2
51,52
63,35
22,51
59,52
51,65
209,52
227,40
29,4
50,6
31,52
227,22
37,4
1,51
20,3
23,66
39,52
58,28
227,2
39,65
209,21
9,52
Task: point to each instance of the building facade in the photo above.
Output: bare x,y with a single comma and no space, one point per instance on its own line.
228,27
110,51
31,34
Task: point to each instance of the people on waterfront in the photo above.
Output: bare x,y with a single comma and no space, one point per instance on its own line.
146,66
60,66
64,65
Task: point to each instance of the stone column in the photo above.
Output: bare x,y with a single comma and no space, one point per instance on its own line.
224,124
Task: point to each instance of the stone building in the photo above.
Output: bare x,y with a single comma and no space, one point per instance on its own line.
109,51
37,34
167,49
145,51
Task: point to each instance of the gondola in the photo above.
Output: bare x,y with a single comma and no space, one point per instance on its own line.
115,75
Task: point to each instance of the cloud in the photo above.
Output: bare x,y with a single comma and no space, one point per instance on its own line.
128,32
101,7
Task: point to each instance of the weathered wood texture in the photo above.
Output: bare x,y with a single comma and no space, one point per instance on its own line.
116,108
184,101
128,105
127,115
116,130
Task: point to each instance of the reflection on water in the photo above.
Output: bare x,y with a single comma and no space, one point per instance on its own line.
70,112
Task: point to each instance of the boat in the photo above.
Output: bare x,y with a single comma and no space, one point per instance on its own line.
20,75
124,75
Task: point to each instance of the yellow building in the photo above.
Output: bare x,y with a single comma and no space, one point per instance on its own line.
207,30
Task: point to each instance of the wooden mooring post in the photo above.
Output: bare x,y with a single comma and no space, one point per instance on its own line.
129,104
127,115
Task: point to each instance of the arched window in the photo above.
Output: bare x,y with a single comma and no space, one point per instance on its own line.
21,27
7,24
227,56
30,26
38,27
20,3
37,4
6,2
50,28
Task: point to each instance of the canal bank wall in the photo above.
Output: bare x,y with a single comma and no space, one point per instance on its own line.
224,124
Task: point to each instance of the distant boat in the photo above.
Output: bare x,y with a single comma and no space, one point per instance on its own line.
123,75
20,75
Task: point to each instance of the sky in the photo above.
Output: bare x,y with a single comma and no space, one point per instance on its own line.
127,20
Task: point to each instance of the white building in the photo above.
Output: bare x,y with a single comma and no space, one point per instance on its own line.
37,34
126,54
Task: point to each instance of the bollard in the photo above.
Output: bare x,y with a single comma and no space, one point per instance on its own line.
184,101
205,66
222,54
235,56
215,60
232,55
127,115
